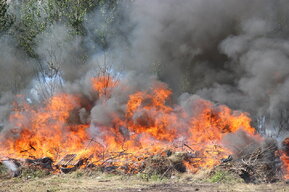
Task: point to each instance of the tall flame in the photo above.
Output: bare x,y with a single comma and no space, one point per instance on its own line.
147,126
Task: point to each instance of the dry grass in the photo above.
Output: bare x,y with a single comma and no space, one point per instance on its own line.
98,181
76,181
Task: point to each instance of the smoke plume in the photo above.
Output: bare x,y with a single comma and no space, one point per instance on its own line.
229,51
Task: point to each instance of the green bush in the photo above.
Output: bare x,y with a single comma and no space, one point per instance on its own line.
5,19
24,20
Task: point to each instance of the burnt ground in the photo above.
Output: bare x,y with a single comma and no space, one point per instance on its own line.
110,183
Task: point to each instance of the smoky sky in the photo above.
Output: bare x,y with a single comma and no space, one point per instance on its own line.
228,51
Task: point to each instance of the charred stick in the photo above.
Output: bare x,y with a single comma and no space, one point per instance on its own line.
31,147
168,169
188,147
119,155
27,150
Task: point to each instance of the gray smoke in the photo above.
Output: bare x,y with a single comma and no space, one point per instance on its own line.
17,71
60,52
240,143
12,167
229,51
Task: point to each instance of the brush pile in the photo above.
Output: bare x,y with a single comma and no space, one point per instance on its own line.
164,164
259,165
254,163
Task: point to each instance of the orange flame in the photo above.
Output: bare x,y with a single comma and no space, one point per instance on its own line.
147,126
44,131
103,84
284,156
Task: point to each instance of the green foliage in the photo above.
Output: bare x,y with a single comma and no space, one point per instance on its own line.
29,18
152,177
5,19
73,11
32,20
217,177
223,176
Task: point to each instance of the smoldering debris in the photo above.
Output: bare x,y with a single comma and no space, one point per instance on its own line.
255,160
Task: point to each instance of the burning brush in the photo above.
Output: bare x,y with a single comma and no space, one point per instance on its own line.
131,132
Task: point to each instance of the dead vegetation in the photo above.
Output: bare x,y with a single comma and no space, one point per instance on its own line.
260,165
164,171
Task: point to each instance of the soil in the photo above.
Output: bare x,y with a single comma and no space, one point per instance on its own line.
111,183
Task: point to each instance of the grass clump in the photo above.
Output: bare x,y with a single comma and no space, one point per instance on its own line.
223,176
34,172
149,177
3,172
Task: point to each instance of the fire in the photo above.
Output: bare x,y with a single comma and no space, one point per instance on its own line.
103,84
44,131
284,156
147,126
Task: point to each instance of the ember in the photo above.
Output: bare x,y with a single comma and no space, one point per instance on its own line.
285,157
